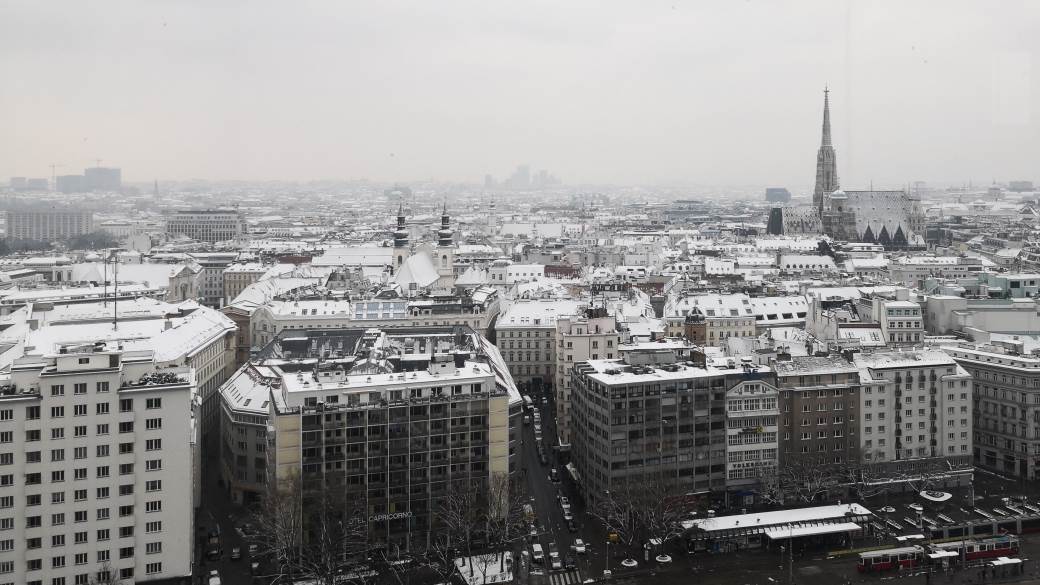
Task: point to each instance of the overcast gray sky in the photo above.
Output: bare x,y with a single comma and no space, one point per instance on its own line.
624,92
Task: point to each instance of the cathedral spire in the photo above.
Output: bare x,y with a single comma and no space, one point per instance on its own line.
826,160
826,117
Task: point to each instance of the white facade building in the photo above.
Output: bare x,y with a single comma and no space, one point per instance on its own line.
99,468
915,405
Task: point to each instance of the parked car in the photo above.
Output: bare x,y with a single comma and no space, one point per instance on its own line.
572,525
568,562
236,553
253,549
543,458
554,476
579,546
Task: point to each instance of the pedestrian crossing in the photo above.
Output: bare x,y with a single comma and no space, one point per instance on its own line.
569,578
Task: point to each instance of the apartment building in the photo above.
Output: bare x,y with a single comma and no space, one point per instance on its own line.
99,468
238,276
1005,406
393,415
591,335
655,410
206,225
211,280
819,403
47,225
912,270
916,408
178,335
526,334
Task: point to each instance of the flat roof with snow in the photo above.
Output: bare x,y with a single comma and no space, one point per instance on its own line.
793,531
783,520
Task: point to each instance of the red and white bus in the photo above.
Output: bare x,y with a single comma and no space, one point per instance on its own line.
890,559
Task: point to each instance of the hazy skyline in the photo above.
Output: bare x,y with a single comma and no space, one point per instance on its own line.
627,93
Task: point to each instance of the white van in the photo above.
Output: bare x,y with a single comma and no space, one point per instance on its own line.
539,554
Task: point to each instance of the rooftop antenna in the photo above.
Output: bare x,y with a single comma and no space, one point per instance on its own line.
54,176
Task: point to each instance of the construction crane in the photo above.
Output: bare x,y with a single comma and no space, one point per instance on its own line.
54,175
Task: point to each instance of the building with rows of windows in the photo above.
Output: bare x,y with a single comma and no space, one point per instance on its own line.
1005,406
917,419
394,416
98,468
657,409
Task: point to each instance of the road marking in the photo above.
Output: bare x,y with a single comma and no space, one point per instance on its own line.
568,578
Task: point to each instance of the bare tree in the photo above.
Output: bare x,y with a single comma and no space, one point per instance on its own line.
807,477
106,575
335,534
309,531
279,524
620,510
458,516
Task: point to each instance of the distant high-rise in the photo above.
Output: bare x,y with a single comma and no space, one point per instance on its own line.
70,183
777,195
103,179
18,183
826,161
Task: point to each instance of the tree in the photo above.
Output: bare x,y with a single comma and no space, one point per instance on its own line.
106,575
96,240
279,523
643,508
807,477
312,531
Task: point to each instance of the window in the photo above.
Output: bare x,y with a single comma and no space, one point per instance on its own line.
125,448
153,403
102,471
79,473
153,506
126,468
57,411
126,552
101,451
126,404
153,424
153,464
127,510
81,537
57,476
57,390
152,568
101,408
80,431
126,427
79,388
102,386
153,526
32,413
126,489
58,433
153,444
153,485
102,535
79,453
153,548
103,514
